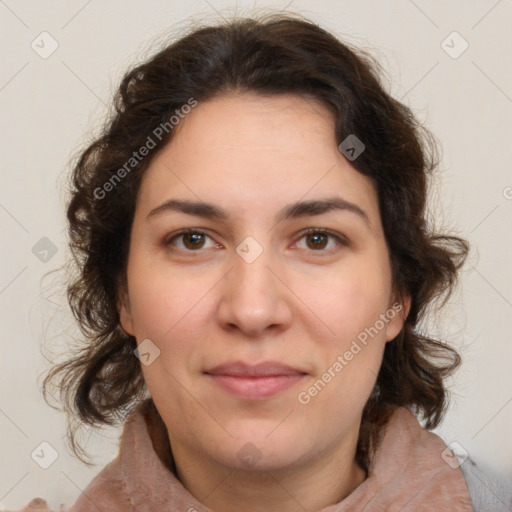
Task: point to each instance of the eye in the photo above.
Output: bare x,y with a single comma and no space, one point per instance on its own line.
317,240
191,240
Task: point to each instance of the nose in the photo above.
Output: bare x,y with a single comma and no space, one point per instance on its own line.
255,299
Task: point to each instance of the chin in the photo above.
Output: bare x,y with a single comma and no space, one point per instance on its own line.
254,449
256,458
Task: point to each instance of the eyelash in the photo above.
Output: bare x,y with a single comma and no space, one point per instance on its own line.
340,239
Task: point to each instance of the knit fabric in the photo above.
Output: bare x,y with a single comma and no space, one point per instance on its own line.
407,473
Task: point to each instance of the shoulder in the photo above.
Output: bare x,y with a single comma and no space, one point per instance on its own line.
488,490
106,491
36,505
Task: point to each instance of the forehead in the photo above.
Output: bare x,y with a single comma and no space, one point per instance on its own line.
249,152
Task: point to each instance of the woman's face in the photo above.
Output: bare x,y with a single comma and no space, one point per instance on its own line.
253,287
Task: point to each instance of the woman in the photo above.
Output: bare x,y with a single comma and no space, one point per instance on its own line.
254,260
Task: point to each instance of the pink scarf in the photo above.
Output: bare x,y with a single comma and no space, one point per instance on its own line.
407,474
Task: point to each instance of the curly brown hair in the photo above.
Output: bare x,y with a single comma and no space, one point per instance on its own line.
269,55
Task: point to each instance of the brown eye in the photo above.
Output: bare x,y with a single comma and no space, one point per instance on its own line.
317,241
193,240
322,241
190,241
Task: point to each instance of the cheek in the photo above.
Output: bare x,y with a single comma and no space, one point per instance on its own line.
349,300
171,310
163,300
351,304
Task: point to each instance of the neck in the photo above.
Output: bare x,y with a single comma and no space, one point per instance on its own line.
311,486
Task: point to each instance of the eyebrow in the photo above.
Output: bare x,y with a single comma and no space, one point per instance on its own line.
291,211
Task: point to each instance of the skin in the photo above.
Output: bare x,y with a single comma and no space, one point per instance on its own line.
301,302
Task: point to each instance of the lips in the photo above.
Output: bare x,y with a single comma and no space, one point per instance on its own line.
255,382
240,369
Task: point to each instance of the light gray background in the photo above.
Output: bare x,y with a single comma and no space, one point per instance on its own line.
52,106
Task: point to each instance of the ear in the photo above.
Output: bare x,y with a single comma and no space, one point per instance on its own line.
397,313
125,313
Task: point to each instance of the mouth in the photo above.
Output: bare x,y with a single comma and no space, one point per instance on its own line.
255,382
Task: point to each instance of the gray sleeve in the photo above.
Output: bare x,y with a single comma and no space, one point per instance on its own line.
489,491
